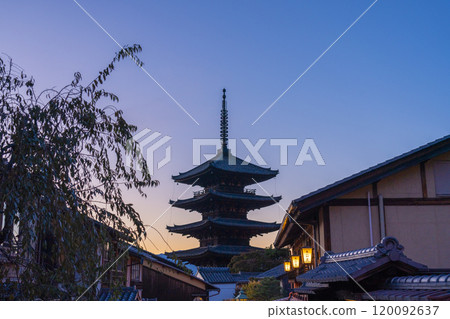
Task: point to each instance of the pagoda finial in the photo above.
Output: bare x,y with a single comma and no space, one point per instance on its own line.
224,123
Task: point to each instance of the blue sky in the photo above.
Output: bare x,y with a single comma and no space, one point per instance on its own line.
381,90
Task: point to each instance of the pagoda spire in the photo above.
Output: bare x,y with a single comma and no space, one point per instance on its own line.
224,124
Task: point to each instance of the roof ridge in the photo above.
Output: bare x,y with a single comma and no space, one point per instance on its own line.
389,246
434,281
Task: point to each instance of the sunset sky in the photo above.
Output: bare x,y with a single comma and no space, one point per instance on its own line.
381,90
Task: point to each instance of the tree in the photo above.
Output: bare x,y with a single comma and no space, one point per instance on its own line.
62,171
263,290
258,261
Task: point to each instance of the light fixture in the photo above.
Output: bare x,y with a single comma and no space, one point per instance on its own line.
306,255
287,266
295,261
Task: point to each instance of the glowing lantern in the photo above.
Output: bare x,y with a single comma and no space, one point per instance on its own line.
287,266
295,261
307,255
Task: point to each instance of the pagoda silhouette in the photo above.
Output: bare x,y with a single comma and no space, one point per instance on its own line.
224,203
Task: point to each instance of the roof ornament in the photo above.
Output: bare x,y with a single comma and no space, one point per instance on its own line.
224,124
389,246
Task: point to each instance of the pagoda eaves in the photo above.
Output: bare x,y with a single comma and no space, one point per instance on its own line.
213,224
225,167
218,255
210,199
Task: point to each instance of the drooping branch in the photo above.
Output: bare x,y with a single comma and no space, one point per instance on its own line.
61,157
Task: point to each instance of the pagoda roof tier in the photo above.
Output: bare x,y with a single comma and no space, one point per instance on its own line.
252,227
204,201
202,255
225,166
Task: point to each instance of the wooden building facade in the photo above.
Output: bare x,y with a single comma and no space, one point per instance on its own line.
157,278
381,272
407,197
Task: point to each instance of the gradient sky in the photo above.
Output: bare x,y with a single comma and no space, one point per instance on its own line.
381,90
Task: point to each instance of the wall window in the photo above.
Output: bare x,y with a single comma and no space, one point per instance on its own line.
106,253
135,272
442,178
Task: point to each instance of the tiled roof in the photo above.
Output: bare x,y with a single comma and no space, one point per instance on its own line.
339,267
219,249
228,163
435,281
409,295
414,288
274,272
215,275
258,200
349,255
339,271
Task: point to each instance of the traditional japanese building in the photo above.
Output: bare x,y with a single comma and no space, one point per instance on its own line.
380,272
224,230
406,197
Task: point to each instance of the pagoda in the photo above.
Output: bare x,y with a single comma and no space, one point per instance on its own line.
224,202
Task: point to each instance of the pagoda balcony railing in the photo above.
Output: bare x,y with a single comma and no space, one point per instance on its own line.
251,191
201,192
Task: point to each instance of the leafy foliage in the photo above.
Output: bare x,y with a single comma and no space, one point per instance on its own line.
263,290
62,171
258,261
